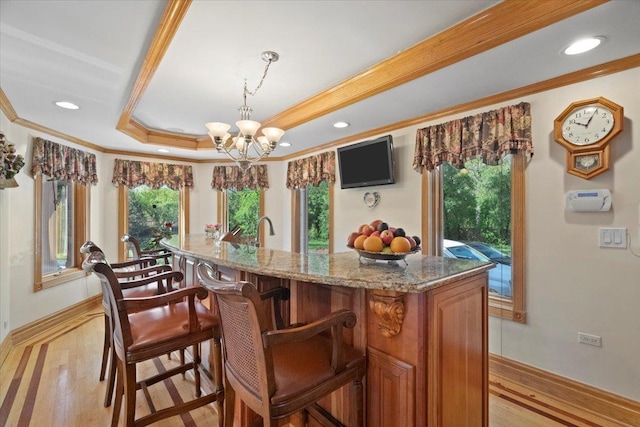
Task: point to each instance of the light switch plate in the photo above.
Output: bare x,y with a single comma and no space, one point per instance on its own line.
613,238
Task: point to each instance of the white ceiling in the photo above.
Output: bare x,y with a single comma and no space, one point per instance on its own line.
90,53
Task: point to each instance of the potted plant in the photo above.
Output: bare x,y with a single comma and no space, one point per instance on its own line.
10,163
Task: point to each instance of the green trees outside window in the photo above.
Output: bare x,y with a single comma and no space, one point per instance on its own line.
318,217
244,210
477,203
150,211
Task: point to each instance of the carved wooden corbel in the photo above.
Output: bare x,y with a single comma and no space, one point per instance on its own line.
388,309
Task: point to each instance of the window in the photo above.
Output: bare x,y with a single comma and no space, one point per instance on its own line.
477,213
150,211
61,228
241,208
482,217
312,225
244,210
144,211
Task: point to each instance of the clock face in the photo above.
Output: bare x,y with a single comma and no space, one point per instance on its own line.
587,125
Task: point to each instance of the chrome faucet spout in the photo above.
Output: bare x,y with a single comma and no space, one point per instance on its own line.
271,232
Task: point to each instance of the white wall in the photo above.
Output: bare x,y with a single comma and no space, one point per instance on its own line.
572,285
17,243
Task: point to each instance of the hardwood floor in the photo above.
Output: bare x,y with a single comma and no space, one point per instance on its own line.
52,380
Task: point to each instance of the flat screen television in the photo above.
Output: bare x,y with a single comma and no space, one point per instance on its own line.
367,163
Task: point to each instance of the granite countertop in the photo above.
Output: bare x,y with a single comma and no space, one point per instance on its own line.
422,272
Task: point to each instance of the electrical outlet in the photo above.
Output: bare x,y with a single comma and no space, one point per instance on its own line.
589,339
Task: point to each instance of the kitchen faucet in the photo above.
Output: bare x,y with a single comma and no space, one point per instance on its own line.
271,232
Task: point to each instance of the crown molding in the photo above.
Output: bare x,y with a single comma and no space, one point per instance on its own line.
497,25
590,73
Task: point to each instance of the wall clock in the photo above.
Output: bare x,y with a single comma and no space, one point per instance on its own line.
585,129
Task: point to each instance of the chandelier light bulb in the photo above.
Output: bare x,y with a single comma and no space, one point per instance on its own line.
264,143
240,144
217,129
273,134
248,127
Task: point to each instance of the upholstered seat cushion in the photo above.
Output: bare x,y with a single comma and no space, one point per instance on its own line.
162,324
301,366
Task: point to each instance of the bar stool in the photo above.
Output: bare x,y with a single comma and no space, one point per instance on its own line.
144,328
143,267
280,372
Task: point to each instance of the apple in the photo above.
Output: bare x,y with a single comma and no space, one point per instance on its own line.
375,233
366,229
386,236
375,223
352,238
392,229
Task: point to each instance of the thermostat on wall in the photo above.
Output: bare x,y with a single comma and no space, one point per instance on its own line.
589,200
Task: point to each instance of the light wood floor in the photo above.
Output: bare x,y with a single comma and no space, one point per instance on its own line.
52,380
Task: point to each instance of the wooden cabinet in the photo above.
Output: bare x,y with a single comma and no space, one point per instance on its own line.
424,330
427,352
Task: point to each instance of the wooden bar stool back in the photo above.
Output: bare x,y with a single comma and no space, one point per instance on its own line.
280,372
133,246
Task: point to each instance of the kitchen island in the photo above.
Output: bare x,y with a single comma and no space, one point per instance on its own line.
423,325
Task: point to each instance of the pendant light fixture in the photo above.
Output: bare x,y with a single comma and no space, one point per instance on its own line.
246,148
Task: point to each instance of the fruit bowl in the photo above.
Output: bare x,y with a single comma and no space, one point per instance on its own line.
385,256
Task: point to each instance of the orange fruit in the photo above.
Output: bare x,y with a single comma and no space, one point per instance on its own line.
373,244
400,244
359,242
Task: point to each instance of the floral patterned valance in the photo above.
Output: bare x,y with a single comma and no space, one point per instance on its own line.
63,163
155,175
489,136
232,177
312,170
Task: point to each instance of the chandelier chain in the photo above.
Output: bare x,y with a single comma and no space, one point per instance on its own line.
264,75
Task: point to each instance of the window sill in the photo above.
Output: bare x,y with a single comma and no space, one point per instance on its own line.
59,278
503,308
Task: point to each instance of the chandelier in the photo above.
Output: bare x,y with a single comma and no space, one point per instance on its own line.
245,148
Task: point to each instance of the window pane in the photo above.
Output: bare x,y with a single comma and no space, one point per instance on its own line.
153,214
57,226
244,210
318,218
477,218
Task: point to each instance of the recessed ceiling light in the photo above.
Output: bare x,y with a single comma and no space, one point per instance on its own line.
341,125
163,150
68,105
584,45
285,144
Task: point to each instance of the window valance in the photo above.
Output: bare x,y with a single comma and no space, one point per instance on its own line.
312,170
155,175
232,177
63,163
488,135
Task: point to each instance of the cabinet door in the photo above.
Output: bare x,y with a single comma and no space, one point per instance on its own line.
458,361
